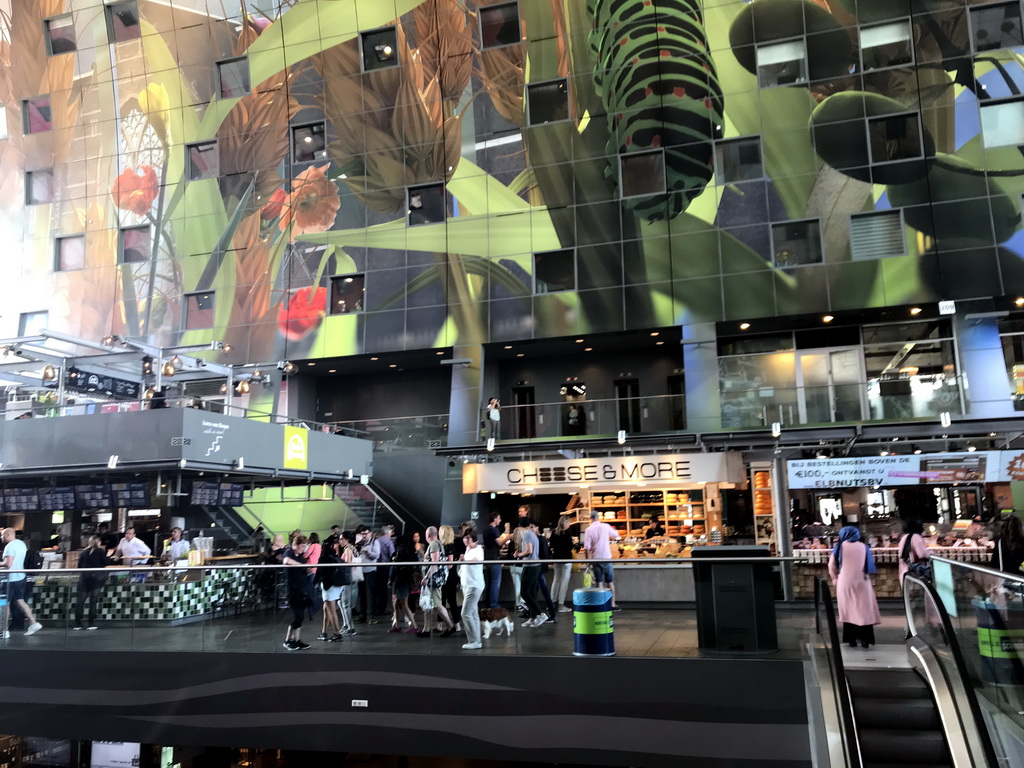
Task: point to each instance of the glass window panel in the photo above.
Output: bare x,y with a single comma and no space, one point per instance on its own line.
203,161
781,63
37,115
70,253
996,26
199,310
309,143
547,102
738,160
895,137
60,35
499,25
39,187
795,243
554,271
234,77
32,323
135,245
1002,123
427,204
123,21
347,294
934,328
642,173
380,49
886,45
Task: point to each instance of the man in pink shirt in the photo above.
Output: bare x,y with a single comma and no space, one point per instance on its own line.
596,547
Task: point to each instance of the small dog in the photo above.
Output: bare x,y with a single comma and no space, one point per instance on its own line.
494,619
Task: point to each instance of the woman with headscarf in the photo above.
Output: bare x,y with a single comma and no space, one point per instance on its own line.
850,567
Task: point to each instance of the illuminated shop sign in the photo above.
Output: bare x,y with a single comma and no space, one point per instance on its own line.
920,469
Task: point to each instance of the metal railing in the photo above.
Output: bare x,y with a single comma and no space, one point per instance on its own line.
827,629
399,433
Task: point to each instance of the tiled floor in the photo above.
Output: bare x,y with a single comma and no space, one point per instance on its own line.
662,633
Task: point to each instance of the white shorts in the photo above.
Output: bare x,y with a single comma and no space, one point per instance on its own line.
331,594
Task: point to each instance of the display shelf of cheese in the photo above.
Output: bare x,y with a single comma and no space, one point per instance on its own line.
764,509
681,512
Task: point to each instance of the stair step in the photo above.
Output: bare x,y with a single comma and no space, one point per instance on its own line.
902,747
887,684
896,714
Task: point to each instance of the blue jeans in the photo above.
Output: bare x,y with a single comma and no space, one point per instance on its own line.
493,584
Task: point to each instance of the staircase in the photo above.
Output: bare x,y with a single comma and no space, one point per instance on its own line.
232,524
897,722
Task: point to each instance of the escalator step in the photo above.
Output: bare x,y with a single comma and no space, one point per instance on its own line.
903,747
904,765
903,714
887,684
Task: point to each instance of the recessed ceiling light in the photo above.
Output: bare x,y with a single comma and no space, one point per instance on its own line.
393,365
508,346
1020,301
375,358
440,353
915,310
589,349
827,319
658,343
744,326
579,341
333,370
520,354
310,363
655,333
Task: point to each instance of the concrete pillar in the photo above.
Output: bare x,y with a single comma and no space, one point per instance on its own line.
983,367
700,362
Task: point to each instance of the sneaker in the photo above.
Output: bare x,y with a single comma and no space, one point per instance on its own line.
472,646
322,636
528,622
448,632
616,608
564,609
92,629
33,629
540,620
396,630
300,646
77,629
6,635
290,645
373,620
336,638
550,620
348,632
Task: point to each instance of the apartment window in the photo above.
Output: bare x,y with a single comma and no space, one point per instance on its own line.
1002,123
199,310
877,235
123,21
60,35
738,160
886,45
134,245
554,271
347,294
547,102
642,173
33,323
996,26
499,25
894,138
380,49
234,77
427,204
796,243
309,143
782,63
39,187
36,114
203,162
69,253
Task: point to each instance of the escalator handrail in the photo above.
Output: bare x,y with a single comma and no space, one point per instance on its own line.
958,660
823,599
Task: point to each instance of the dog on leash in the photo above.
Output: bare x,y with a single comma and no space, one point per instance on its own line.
494,620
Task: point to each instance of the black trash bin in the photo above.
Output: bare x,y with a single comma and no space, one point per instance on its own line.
735,601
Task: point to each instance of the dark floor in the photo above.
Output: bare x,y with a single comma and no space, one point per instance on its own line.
642,632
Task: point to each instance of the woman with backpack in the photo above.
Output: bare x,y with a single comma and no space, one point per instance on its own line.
350,591
850,567
332,581
912,549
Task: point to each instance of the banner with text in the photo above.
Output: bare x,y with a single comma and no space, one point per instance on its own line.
920,469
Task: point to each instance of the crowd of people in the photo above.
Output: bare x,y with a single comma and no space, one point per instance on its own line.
430,585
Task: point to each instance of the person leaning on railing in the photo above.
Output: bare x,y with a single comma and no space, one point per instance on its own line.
90,584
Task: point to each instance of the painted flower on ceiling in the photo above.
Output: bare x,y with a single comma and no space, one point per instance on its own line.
274,205
302,312
136,191
312,204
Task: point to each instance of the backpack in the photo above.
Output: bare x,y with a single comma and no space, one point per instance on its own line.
33,560
921,569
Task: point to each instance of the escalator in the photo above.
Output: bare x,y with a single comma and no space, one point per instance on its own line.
921,713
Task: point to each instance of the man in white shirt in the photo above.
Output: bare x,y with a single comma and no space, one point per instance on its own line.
14,559
596,547
133,550
177,548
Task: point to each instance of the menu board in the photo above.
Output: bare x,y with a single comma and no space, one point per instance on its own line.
94,496
57,499
231,494
21,499
131,495
205,494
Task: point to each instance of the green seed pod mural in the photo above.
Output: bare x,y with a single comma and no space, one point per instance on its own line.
658,84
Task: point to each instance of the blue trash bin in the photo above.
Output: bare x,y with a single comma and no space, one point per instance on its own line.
592,622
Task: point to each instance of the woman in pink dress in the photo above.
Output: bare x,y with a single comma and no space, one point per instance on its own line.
850,567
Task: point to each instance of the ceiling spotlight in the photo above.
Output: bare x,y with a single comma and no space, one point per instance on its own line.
224,388
257,374
828,318
744,326
49,373
176,361
1020,301
333,370
393,365
508,346
658,343
110,340
148,394
520,354
147,365
384,52
290,368
655,333
375,358
579,341
169,369
972,448
883,453
917,451
915,310
242,387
